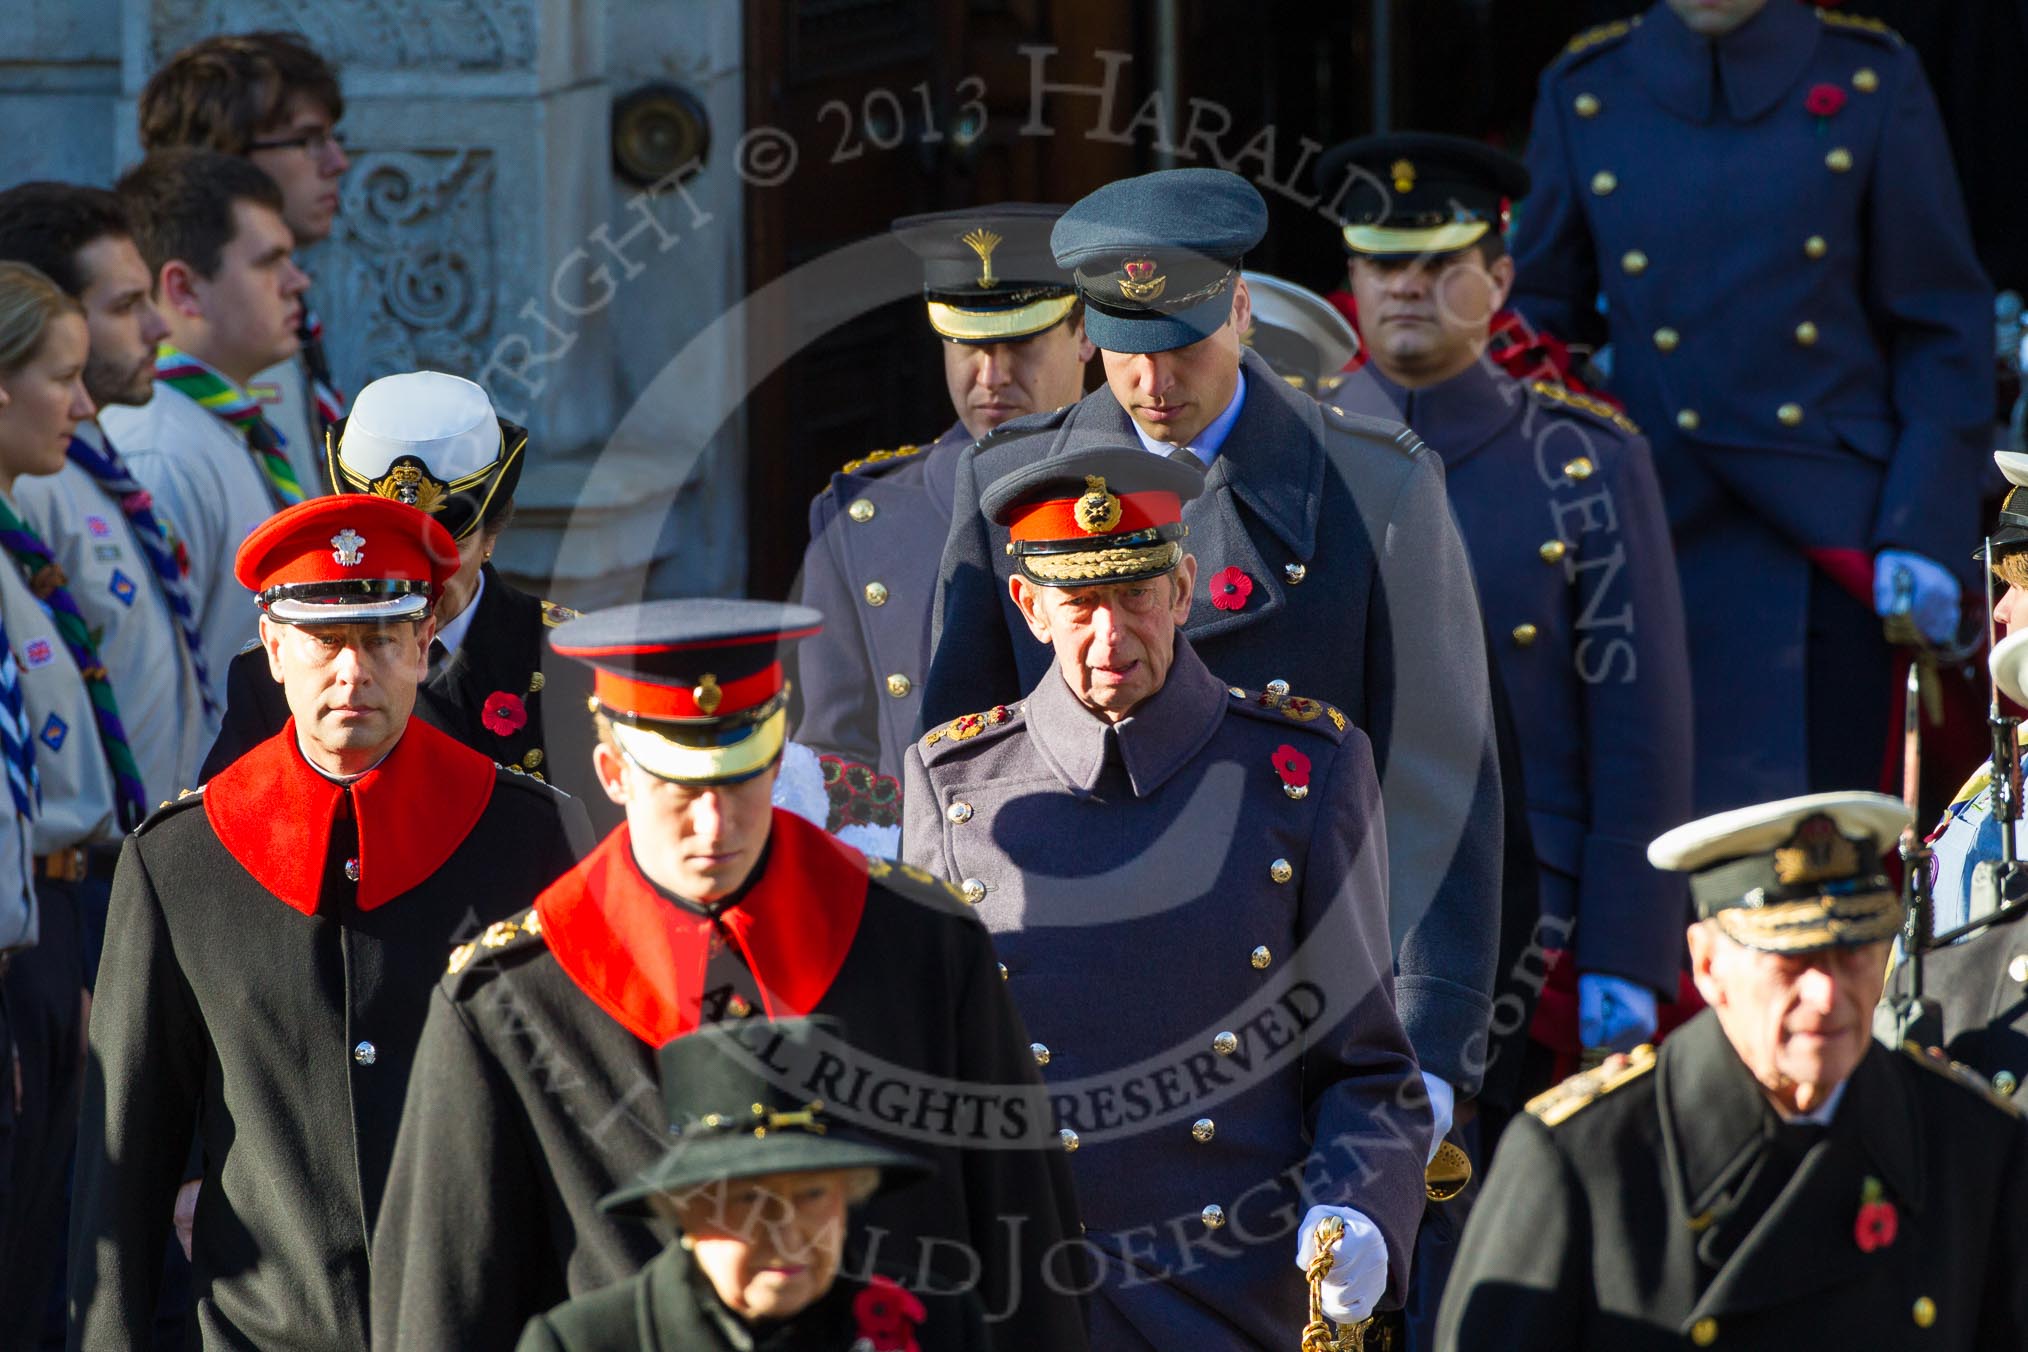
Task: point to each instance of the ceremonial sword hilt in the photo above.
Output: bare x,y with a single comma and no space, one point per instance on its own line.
1318,1335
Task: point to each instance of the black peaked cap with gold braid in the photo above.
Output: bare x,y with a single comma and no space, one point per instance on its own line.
1109,514
430,440
988,275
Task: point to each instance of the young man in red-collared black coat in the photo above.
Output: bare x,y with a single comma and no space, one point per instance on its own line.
536,1091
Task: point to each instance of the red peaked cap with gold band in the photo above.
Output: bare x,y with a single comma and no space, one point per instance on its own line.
694,688
1107,514
348,559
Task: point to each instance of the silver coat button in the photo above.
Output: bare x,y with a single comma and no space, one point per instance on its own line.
1069,1139
1203,1129
1213,1216
365,1053
1225,1044
1041,1053
352,870
959,812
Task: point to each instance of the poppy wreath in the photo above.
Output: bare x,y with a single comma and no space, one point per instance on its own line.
857,795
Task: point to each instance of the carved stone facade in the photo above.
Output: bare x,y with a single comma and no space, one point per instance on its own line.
478,213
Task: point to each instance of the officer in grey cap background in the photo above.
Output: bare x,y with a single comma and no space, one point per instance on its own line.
1013,344
1329,564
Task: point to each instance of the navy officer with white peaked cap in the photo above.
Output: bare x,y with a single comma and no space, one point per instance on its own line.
1246,1077
536,1093
433,441
1773,1178
272,944
1013,343
1329,564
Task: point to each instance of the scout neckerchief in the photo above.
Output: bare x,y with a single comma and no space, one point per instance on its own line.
214,392
46,580
164,555
324,392
17,748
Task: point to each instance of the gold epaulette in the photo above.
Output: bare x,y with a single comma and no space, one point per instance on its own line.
1295,708
1959,1073
880,869
969,726
553,614
876,457
1860,23
499,934
1553,1106
1549,389
1605,32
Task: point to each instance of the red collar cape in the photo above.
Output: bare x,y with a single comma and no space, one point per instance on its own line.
273,814
642,959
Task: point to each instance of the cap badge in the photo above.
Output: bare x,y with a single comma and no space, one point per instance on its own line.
982,242
1818,852
1403,174
408,484
348,547
1141,283
707,694
1098,511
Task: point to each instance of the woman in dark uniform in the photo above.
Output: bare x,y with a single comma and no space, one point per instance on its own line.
758,1184
433,441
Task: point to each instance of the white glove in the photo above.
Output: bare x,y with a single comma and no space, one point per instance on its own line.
1358,1277
1933,591
1443,1105
1612,1012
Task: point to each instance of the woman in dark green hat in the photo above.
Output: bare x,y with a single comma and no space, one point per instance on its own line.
758,1183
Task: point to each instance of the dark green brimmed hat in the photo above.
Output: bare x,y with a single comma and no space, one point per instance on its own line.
730,1119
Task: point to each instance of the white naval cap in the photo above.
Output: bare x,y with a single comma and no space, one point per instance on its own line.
445,421
1794,875
431,440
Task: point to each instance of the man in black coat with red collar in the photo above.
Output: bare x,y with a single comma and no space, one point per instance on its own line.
535,1088
272,945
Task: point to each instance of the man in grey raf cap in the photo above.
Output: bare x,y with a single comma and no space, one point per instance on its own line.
1773,1178
1187,886
1330,566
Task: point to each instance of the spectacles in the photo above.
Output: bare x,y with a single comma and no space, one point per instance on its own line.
315,142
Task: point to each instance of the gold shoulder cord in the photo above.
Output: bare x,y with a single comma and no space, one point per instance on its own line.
1317,1334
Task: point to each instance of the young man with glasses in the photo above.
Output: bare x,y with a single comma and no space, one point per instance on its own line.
271,99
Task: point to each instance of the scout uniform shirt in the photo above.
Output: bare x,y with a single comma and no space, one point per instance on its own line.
1192,908
77,803
272,945
161,706
201,472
